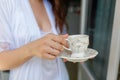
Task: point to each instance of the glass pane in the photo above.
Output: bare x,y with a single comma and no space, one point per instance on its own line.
100,21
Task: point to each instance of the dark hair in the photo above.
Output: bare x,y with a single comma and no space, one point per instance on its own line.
60,11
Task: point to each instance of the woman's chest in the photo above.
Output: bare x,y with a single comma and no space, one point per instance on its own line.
23,26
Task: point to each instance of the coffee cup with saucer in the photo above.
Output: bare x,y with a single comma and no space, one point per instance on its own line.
78,50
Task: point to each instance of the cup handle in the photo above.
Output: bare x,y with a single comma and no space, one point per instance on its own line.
67,50
68,45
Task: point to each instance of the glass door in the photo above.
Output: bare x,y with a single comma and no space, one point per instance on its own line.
99,26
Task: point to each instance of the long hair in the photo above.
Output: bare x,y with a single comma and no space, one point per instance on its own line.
60,11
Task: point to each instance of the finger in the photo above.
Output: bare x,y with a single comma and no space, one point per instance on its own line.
52,51
56,45
65,36
49,56
65,60
60,40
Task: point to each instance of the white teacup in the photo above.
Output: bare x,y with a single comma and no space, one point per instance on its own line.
78,44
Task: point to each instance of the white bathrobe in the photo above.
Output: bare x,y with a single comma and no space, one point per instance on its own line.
18,27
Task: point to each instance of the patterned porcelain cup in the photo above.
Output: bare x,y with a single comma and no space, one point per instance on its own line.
78,44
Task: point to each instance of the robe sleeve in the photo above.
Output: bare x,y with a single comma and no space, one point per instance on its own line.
6,38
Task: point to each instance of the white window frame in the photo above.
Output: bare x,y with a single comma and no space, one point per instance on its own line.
115,46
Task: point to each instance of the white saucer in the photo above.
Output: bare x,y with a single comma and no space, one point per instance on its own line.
90,53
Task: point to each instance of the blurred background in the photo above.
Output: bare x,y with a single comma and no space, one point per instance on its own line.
100,19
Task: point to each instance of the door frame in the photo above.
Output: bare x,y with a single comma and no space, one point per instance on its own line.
115,46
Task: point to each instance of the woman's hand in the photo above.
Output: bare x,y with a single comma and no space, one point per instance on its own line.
48,47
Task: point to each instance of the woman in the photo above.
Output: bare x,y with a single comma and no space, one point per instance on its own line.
29,40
